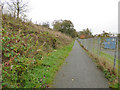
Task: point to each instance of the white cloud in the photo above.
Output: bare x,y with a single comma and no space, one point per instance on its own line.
98,15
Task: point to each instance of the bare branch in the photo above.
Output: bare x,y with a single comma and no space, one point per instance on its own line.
18,7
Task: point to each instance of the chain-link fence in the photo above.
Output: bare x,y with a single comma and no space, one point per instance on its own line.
104,48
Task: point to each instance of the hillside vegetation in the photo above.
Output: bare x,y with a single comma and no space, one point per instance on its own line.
24,46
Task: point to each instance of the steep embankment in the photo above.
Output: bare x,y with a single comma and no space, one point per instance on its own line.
24,47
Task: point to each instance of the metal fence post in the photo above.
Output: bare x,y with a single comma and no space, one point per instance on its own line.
115,55
98,46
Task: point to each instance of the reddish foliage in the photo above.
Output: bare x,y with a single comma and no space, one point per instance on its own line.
11,60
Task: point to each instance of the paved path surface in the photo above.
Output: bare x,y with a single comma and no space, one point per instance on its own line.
79,71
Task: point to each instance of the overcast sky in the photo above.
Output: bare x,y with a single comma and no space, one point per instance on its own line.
98,15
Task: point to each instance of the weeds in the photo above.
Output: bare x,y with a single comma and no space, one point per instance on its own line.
24,47
103,63
44,72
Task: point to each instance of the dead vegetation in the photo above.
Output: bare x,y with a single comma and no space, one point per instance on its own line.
104,65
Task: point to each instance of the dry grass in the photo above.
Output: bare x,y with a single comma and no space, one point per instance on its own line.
52,32
10,24
104,64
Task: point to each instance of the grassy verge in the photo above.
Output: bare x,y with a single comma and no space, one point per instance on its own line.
42,75
108,58
111,58
103,63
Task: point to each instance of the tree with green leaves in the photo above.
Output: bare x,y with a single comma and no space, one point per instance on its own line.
65,26
86,32
46,24
103,37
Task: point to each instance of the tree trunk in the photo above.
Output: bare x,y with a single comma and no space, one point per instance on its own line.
18,9
18,13
14,14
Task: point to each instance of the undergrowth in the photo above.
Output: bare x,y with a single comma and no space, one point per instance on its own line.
24,45
44,71
103,64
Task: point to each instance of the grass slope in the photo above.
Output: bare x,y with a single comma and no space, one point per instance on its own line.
24,46
45,71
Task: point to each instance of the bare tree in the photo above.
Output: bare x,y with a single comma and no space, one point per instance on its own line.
17,7
46,24
2,6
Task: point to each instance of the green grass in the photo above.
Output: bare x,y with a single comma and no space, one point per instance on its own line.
43,74
24,46
109,57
